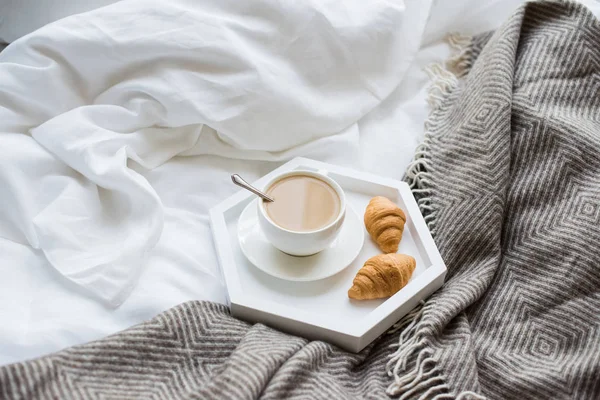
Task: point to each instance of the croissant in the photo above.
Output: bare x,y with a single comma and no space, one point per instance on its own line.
385,223
382,276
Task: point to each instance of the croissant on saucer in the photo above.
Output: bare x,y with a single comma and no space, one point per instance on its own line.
384,221
382,276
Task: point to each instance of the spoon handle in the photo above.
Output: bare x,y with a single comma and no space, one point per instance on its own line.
242,183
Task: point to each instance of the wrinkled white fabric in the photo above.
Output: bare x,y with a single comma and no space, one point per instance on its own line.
90,102
41,311
20,17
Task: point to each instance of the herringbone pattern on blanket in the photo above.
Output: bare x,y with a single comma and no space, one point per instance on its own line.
198,351
515,188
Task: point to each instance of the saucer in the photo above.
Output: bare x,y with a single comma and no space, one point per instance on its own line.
260,252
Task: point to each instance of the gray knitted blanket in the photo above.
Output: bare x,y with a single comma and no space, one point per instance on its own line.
509,182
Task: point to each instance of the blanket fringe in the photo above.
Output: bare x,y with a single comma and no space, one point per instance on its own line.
460,63
422,379
444,79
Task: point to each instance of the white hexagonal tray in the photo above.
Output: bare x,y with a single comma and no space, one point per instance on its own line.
321,309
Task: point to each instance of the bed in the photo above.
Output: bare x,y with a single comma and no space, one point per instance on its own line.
41,311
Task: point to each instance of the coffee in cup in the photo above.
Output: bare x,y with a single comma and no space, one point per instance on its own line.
302,203
307,214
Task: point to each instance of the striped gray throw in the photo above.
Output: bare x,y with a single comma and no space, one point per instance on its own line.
508,179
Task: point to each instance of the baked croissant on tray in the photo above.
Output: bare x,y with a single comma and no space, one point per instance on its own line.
382,276
384,221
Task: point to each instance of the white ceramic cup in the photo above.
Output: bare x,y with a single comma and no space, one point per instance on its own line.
301,243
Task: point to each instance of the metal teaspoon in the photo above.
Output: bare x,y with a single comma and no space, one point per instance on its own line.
242,183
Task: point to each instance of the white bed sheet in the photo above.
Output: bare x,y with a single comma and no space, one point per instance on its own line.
93,101
105,129
41,311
